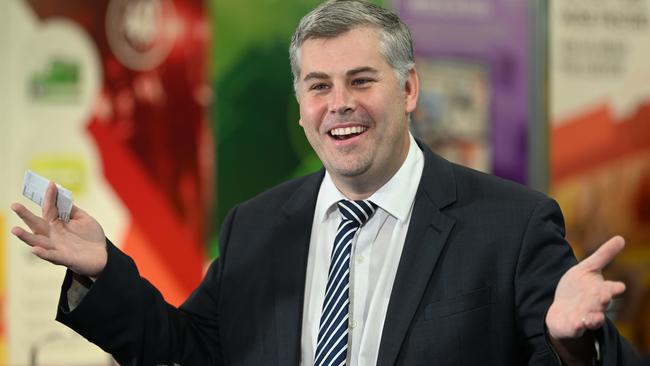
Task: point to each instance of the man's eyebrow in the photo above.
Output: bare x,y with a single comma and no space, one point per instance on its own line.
316,75
358,70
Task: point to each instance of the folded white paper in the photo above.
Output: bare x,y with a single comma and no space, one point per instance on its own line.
34,187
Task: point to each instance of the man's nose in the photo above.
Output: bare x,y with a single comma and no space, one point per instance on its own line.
343,100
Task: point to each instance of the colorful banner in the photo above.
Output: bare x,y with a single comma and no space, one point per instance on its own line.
147,123
600,140
108,98
473,67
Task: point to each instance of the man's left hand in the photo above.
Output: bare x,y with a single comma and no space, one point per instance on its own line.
583,295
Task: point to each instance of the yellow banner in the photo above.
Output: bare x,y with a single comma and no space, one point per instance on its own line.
3,291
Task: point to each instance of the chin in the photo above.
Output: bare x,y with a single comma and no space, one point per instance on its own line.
352,171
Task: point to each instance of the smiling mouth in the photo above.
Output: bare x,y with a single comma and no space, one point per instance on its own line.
344,133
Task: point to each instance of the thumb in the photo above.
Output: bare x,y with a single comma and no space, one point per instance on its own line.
604,255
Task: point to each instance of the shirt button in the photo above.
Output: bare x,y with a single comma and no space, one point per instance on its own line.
352,324
360,259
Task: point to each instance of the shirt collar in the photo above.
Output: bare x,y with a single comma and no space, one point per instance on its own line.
395,197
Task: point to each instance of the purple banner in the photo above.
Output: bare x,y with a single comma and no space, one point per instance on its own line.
472,58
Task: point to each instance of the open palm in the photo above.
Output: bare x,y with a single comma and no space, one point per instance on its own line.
79,244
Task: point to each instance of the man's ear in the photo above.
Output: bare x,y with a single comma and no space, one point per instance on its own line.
412,90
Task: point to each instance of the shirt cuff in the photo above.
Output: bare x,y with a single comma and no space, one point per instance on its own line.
78,289
596,361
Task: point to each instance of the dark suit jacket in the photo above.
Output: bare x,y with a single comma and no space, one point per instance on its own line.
478,271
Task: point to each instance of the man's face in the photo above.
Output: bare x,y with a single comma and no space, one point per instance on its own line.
353,109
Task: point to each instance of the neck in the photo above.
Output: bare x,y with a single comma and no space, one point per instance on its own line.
356,192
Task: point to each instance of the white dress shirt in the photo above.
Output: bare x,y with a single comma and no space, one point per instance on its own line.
376,251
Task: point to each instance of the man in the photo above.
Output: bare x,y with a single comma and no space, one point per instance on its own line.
431,264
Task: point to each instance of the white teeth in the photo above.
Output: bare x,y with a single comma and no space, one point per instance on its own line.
342,131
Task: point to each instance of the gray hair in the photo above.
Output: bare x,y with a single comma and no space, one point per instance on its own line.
335,17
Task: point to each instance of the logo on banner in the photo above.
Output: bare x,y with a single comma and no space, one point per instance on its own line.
141,33
59,74
59,80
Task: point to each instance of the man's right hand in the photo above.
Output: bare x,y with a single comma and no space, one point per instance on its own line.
79,244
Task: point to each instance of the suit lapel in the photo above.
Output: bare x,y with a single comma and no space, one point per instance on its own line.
291,236
427,235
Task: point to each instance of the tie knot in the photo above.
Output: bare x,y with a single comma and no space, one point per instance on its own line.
356,211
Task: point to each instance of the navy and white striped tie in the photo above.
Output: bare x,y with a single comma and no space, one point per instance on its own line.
332,345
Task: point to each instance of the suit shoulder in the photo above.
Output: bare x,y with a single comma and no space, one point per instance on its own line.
497,201
479,184
279,194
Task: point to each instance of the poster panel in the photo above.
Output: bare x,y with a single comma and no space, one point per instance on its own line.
473,66
600,140
4,165
109,99
53,76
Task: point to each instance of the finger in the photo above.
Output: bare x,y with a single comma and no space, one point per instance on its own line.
50,213
77,213
49,255
604,255
593,321
35,223
616,288
31,239
603,299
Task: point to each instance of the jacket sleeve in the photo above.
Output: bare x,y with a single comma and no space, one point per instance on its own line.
126,316
614,349
545,256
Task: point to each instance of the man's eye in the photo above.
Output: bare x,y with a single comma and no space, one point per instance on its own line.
361,82
319,86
